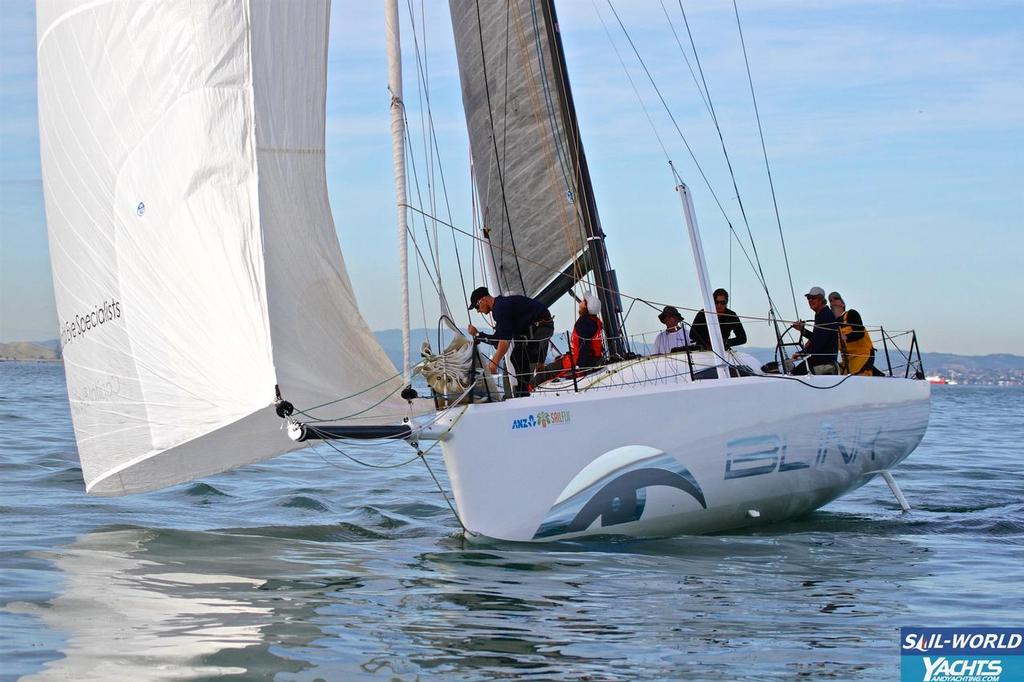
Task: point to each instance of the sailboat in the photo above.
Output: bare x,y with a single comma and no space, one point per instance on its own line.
208,320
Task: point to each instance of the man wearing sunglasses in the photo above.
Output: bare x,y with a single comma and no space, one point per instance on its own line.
733,333
819,352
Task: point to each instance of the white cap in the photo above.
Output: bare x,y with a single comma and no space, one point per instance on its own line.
593,302
815,291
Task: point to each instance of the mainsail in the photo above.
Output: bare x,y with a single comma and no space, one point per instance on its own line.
531,173
196,265
521,149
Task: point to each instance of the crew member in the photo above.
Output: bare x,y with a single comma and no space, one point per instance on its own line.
733,333
515,318
586,345
856,351
674,337
820,350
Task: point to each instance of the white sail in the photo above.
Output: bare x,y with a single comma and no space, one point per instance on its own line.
195,260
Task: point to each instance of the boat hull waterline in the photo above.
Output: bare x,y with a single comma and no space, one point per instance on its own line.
684,458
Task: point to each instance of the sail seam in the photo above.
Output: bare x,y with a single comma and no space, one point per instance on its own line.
284,150
63,18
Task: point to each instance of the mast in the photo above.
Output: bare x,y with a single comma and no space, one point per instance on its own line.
710,314
597,254
391,29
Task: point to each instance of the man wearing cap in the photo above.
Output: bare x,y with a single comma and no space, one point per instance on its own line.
674,335
515,317
823,344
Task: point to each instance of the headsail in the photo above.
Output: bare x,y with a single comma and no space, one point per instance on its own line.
195,261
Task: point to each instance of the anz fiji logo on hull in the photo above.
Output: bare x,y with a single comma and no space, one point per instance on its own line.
759,455
542,419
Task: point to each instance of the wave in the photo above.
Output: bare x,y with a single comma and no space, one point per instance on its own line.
205,490
305,502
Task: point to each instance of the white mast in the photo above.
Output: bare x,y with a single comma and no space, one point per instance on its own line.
391,29
714,330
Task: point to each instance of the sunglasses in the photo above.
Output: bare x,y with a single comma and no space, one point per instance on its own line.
719,301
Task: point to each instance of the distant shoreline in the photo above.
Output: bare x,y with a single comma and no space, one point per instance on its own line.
993,369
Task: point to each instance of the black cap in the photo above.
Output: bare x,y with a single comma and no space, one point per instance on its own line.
669,310
477,294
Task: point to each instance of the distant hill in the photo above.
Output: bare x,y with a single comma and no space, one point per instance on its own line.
991,368
994,362
935,362
29,350
391,341
983,369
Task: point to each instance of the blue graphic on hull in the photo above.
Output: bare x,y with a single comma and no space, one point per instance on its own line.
618,496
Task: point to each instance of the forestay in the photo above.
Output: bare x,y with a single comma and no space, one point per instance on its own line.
195,260
525,160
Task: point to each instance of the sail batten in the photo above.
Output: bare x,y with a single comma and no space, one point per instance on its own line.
196,265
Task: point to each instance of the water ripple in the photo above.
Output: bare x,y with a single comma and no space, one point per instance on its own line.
297,568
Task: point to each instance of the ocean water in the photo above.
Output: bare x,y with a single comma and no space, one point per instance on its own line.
312,567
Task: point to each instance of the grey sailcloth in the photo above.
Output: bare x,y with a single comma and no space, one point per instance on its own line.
523,154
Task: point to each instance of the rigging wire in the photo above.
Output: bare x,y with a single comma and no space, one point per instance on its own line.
428,158
424,217
891,335
764,151
422,73
725,152
679,130
440,489
419,287
329,442
686,57
431,152
553,271
410,231
675,174
632,84
420,455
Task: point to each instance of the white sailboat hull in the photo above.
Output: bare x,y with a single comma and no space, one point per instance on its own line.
687,457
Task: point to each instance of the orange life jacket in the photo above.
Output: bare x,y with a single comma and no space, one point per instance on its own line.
596,346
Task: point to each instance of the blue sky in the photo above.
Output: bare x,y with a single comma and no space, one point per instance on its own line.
895,131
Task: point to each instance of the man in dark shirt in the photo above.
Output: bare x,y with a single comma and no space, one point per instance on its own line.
733,333
820,351
515,318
